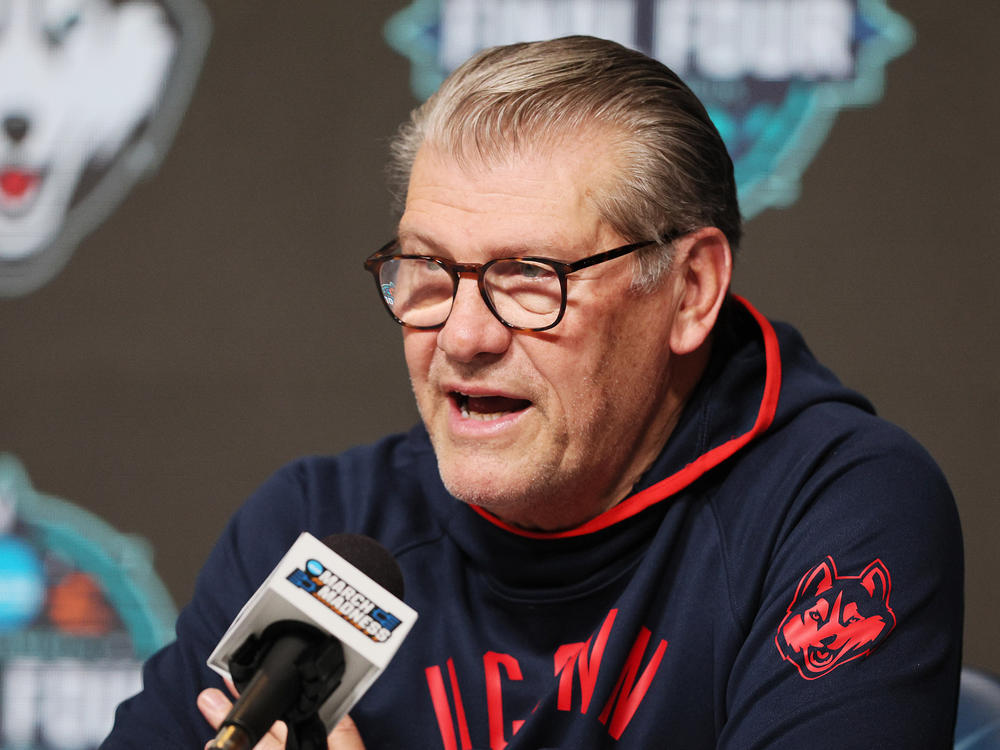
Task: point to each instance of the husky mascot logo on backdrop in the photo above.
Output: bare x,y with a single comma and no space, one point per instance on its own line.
90,94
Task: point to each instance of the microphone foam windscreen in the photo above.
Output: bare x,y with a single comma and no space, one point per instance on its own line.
371,558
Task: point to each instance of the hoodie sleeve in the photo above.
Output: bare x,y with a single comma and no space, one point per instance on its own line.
854,626
164,714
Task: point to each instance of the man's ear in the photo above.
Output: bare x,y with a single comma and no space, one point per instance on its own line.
703,272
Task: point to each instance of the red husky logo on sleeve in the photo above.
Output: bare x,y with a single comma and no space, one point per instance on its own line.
834,619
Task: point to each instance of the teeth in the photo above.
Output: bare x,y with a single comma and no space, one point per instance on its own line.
463,406
482,417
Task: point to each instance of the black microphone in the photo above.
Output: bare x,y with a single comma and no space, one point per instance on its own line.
318,617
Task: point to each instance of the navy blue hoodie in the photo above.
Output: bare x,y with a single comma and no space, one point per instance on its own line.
788,574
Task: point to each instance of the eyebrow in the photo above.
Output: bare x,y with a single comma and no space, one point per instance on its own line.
547,250
411,236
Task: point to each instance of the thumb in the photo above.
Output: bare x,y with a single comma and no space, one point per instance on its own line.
345,736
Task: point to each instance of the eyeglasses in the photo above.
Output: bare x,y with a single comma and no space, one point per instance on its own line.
525,294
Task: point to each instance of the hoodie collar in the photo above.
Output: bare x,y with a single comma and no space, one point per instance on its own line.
713,426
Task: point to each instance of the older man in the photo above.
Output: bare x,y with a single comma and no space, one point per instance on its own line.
636,513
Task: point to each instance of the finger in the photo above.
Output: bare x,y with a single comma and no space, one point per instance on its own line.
277,734
345,736
214,705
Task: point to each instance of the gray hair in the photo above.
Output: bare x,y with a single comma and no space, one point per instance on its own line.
676,175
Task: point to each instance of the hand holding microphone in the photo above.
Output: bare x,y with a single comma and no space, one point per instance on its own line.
215,706
307,645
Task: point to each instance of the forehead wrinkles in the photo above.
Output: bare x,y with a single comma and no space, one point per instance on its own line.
483,192
565,179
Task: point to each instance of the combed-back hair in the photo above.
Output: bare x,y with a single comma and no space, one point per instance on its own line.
673,173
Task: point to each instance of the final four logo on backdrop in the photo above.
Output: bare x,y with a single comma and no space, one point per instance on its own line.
772,73
91,92
80,609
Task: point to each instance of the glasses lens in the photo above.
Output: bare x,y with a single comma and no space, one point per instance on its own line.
419,292
525,293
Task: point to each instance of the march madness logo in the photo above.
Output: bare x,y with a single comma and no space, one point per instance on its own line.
772,73
833,619
90,96
345,600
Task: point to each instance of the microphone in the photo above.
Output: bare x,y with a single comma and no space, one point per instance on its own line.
311,640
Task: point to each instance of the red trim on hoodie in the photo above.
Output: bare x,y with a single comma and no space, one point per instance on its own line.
675,482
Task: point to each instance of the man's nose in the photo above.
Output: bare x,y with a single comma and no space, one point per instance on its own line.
472,329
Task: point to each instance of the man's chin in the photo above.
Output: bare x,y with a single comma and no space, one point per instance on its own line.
502,490
529,502
485,491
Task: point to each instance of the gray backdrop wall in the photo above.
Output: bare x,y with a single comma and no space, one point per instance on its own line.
220,324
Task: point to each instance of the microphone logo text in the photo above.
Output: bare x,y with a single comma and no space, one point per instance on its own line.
345,600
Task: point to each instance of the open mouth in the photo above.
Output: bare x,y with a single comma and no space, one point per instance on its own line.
487,408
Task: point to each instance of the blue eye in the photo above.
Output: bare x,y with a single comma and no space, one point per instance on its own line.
524,270
531,271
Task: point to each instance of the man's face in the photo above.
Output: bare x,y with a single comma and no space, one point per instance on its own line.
547,429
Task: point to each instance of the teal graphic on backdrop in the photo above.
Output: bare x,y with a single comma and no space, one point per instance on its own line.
80,609
773,74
